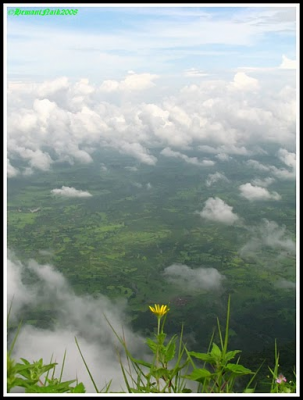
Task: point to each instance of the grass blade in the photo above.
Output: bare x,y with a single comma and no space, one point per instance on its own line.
89,373
63,362
15,339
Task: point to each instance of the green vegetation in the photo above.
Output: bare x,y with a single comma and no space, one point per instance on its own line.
172,366
119,242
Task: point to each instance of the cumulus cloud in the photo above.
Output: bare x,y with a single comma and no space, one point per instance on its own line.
60,120
132,82
11,171
244,82
223,150
66,191
213,178
263,182
217,210
287,63
194,279
190,160
75,316
253,193
288,158
223,157
149,186
257,165
268,234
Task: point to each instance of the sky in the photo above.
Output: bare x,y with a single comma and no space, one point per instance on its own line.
220,81
102,43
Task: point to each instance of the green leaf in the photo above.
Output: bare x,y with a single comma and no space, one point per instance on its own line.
216,352
80,388
186,390
238,369
170,350
152,345
231,354
161,337
16,382
199,374
26,362
202,356
249,390
141,362
160,373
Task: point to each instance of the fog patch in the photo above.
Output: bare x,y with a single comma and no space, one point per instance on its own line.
194,279
75,316
66,191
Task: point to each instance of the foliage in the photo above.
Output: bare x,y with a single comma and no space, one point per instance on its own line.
170,369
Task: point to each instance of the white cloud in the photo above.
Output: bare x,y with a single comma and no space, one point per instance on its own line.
11,171
190,160
263,182
257,165
282,173
223,151
132,82
286,157
76,316
223,157
217,176
244,82
268,234
287,63
194,73
217,210
18,295
66,191
72,120
253,193
194,279
149,186
138,151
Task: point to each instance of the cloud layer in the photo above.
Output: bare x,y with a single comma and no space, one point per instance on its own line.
61,120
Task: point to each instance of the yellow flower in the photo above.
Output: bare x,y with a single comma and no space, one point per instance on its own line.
158,310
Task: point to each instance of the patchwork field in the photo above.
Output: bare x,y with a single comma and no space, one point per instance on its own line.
120,241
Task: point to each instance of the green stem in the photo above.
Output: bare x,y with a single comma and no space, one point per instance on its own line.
157,354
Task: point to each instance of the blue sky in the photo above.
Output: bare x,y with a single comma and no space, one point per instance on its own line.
106,42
